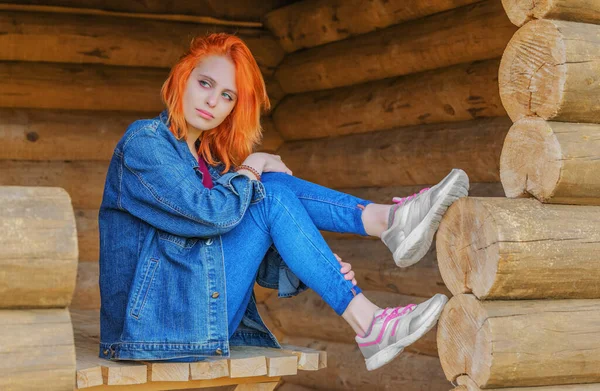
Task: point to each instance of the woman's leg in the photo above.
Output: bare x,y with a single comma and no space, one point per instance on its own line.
334,211
281,218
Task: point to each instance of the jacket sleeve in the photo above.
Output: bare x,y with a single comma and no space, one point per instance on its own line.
157,187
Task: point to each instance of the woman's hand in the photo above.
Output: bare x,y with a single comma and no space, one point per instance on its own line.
266,162
346,269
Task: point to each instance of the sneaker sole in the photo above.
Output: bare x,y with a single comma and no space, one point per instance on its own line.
418,242
389,353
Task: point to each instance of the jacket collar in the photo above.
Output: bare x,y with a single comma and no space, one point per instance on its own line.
215,172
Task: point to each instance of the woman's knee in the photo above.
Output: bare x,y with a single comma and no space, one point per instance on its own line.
277,189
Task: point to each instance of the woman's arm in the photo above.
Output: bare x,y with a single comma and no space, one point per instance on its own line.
156,187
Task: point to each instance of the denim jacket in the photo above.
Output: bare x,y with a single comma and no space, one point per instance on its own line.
161,259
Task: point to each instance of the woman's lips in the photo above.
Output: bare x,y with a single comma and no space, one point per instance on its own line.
205,114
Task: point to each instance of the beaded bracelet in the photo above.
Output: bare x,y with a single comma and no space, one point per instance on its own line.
251,169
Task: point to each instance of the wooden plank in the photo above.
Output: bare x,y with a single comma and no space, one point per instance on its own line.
501,248
475,32
308,359
556,162
520,343
39,247
122,41
305,24
403,156
469,385
549,69
37,348
457,93
522,11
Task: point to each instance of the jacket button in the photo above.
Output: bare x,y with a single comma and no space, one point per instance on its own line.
215,295
209,242
105,351
219,351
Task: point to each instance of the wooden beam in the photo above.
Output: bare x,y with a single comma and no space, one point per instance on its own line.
518,343
465,383
523,11
404,156
122,41
556,162
453,94
499,248
305,24
39,247
476,32
37,349
549,70
246,10
31,134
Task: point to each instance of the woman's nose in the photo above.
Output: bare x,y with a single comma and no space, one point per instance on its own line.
211,100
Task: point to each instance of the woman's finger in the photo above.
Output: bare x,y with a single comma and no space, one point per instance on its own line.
354,281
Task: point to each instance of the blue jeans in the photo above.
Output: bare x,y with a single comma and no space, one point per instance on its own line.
290,216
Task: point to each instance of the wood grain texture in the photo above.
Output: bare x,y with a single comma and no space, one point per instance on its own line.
37,349
550,70
466,384
475,32
453,94
39,247
500,248
518,343
305,24
556,162
523,11
67,38
403,156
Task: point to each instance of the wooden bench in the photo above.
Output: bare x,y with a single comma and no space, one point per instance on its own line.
251,368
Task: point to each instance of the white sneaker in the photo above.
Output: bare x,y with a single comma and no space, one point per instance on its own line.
417,217
395,328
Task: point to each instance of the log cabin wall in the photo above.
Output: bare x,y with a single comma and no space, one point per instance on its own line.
374,98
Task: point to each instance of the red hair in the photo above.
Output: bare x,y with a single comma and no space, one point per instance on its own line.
235,138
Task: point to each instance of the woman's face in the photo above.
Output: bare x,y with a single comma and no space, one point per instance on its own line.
210,94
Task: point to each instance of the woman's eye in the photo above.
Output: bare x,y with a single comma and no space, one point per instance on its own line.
227,96
204,83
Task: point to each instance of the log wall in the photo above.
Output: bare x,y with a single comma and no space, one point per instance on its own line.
378,107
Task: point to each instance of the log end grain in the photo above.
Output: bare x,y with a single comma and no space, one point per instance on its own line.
533,71
467,247
463,339
522,11
530,163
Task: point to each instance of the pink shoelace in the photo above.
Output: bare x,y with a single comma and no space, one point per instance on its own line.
399,201
389,314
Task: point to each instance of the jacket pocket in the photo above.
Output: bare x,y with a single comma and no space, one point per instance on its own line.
178,240
142,294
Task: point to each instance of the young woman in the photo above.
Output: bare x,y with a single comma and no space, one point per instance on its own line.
191,219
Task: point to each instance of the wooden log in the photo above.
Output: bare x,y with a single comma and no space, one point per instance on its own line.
549,70
251,10
346,370
60,37
404,156
84,87
83,180
499,248
39,247
465,383
522,11
310,317
520,343
476,32
28,134
312,23
457,93
375,269
37,348
556,162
